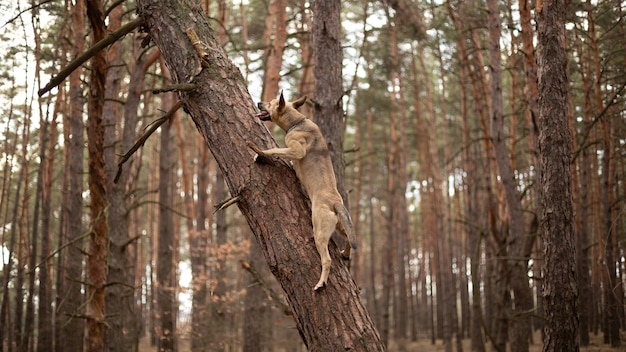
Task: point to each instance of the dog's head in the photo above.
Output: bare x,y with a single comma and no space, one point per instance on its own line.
275,109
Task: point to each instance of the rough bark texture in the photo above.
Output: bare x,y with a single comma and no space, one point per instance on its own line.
270,197
560,289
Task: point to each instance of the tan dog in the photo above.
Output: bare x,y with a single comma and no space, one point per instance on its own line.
307,150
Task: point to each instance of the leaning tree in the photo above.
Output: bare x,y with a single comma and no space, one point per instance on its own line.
213,92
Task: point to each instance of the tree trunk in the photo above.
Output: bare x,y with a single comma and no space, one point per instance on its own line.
274,59
330,320
7,268
98,238
560,289
200,314
477,342
72,329
44,183
119,303
166,273
520,319
219,310
28,341
328,103
257,312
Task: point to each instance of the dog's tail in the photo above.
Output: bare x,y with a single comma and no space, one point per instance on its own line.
345,223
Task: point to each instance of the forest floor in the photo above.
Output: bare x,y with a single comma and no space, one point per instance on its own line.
424,345
596,345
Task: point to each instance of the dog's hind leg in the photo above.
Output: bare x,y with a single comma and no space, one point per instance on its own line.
324,222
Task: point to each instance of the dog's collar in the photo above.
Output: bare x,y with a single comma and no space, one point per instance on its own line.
296,125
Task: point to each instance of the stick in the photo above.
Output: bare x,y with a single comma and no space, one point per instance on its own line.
226,203
182,87
153,127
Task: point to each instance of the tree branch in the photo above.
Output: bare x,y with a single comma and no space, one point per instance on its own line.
153,127
108,40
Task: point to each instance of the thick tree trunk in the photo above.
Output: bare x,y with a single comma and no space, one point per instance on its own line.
269,195
560,290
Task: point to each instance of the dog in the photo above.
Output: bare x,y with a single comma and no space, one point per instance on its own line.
306,148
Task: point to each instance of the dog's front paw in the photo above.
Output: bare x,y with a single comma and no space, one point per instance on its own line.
259,156
319,286
254,147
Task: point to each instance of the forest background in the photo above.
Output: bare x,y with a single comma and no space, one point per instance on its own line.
443,196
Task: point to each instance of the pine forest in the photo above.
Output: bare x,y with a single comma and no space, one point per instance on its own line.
478,145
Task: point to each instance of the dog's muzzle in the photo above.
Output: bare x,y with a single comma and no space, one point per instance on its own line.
263,115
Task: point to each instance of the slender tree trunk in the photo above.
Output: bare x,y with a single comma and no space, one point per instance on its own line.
166,273
118,298
72,328
219,310
306,85
274,59
98,238
28,341
520,320
255,319
219,105
560,290
7,268
611,308
328,104
197,238
374,303
44,301
45,316
200,313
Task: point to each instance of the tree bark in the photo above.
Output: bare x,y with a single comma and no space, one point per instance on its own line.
98,238
200,314
560,289
218,340
330,320
72,329
520,319
274,59
120,309
328,103
166,274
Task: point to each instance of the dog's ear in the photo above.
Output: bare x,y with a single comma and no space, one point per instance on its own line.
299,102
281,101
